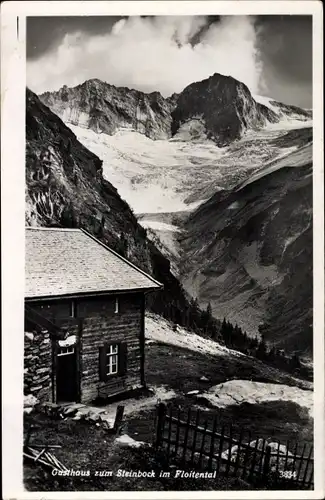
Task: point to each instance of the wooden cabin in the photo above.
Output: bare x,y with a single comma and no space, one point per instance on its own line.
84,318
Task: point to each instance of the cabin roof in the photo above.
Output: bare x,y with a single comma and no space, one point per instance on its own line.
63,262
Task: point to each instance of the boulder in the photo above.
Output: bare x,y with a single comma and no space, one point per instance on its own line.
93,417
284,462
30,401
126,440
233,454
259,445
69,411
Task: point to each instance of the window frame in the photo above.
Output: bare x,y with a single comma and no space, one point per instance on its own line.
122,360
112,353
65,350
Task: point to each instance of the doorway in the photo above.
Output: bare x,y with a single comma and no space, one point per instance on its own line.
66,374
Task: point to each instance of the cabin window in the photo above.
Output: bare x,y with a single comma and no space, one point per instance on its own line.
63,351
117,305
112,359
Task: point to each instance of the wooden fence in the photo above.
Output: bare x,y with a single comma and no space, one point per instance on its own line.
188,439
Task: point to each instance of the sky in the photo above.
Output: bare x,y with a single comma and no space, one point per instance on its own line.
272,55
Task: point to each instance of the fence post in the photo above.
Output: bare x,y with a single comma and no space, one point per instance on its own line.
307,465
187,428
266,464
118,419
161,414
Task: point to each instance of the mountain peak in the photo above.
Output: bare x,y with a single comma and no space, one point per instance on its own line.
218,80
219,77
103,107
223,105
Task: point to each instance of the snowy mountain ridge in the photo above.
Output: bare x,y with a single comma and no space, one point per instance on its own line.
168,155
224,107
219,175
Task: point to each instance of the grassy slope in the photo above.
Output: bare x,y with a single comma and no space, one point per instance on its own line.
181,370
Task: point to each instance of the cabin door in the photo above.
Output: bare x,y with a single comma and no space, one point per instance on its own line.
66,374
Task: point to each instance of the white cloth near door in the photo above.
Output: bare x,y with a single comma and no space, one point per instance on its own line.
71,340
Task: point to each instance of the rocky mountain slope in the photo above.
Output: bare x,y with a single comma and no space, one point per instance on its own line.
104,108
162,154
248,250
65,187
220,108
217,147
224,106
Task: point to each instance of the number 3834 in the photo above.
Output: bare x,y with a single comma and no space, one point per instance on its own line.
288,474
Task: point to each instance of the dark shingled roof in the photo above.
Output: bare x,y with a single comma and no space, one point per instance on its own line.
71,261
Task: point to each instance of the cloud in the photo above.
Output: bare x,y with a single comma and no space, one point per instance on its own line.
153,53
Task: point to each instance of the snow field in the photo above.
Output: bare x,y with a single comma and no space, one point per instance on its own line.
156,176
160,330
159,226
235,392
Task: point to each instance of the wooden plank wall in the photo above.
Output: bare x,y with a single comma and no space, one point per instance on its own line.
99,324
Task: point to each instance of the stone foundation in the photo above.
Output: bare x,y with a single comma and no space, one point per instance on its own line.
37,365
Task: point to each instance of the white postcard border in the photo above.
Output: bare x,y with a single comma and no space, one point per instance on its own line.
13,64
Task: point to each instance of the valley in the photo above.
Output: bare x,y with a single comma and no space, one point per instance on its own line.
243,247
171,252
180,177
224,205
157,176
